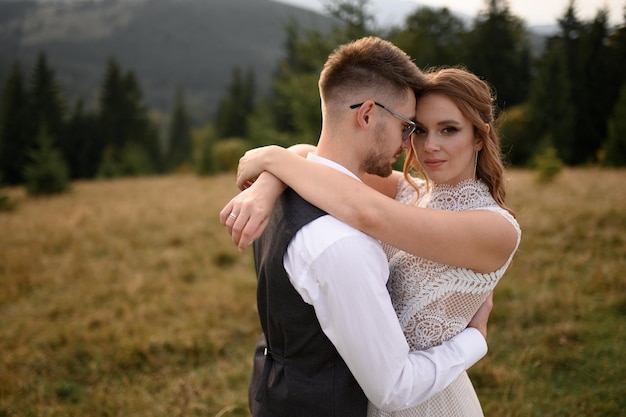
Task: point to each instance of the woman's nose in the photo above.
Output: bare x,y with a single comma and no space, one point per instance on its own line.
430,143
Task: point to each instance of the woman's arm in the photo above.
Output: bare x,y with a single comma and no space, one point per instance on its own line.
480,240
253,207
387,185
248,213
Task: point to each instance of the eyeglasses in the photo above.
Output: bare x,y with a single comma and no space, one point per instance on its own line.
410,126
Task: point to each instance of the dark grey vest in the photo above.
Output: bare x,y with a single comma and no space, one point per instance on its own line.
301,375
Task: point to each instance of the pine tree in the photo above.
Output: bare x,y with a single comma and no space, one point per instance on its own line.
85,143
294,99
617,54
144,133
46,173
498,50
179,137
14,137
593,95
114,112
234,108
304,54
615,74
354,14
204,159
263,129
300,93
519,142
130,140
550,105
432,37
615,147
570,41
46,107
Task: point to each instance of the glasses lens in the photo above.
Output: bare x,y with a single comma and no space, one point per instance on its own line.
407,131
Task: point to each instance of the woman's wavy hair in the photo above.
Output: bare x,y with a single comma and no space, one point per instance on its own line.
475,99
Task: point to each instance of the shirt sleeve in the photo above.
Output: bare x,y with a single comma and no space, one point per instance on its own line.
343,276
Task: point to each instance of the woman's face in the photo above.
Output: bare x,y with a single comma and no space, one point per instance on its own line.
444,141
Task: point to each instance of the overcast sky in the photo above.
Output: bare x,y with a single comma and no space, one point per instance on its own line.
534,12
538,12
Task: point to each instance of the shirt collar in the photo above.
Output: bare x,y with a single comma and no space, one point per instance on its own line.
324,161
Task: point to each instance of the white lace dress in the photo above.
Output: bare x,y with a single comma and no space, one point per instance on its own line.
434,301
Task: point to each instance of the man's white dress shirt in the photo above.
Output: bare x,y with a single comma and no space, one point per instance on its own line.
342,272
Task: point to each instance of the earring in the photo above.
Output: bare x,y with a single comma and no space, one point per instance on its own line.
475,162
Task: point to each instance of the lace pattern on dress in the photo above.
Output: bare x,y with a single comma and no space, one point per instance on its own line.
435,301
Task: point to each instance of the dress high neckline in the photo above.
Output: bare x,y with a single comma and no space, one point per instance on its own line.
466,195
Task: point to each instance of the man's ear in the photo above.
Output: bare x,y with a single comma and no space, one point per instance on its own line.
363,114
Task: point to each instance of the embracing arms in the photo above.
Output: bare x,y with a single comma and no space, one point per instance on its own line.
479,240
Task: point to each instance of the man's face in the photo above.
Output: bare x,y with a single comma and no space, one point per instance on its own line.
388,138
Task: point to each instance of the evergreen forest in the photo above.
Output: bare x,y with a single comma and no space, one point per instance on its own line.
566,99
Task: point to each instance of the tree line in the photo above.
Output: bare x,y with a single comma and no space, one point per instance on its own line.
37,130
568,100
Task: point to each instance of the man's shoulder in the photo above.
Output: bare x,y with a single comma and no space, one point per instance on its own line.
327,231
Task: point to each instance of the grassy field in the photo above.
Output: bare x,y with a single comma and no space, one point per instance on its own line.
126,298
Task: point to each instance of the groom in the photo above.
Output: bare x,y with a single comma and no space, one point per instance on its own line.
333,339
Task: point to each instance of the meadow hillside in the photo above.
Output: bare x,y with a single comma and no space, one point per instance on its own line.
127,298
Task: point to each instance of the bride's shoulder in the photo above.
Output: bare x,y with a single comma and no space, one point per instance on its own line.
408,190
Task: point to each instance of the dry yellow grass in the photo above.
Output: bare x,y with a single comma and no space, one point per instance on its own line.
124,297
127,298
557,334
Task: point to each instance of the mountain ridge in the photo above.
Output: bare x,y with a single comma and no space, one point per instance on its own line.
168,44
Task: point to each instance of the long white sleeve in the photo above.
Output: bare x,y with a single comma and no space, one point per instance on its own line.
343,272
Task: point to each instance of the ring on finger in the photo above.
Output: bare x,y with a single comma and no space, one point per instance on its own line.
233,216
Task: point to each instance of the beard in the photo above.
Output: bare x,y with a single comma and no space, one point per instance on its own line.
374,165
376,161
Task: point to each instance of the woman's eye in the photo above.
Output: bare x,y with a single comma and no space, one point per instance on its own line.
450,130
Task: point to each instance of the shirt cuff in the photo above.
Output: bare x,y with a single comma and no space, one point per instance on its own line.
473,344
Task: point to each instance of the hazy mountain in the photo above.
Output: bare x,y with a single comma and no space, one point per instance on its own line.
386,12
389,13
193,44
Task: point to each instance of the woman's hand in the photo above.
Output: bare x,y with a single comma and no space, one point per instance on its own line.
252,163
246,216
480,319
